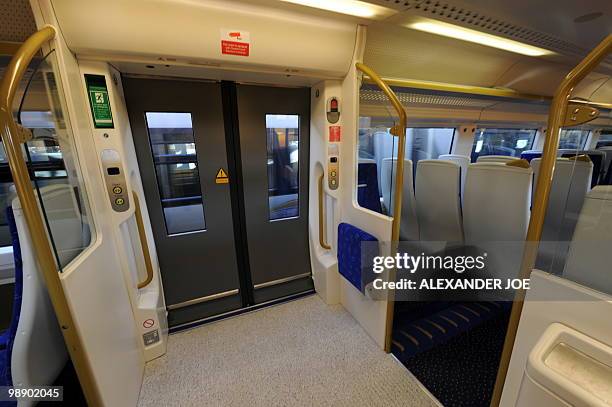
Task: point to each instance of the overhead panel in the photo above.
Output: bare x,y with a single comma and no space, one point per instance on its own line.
208,33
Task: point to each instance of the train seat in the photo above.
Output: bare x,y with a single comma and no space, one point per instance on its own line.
409,227
463,162
496,213
596,156
588,259
570,185
367,186
531,154
607,163
495,159
7,337
438,201
40,354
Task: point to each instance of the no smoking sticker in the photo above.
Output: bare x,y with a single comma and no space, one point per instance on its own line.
148,323
335,133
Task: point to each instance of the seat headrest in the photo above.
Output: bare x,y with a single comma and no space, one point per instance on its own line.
495,158
441,163
521,163
498,166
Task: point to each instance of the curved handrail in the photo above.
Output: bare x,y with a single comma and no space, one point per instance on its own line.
143,242
400,132
556,118
322,241
12,139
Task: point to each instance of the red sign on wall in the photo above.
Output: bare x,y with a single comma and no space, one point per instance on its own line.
334,134
235,42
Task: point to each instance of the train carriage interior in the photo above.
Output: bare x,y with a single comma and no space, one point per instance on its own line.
305,203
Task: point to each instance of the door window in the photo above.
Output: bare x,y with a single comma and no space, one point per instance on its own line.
176,169
283,142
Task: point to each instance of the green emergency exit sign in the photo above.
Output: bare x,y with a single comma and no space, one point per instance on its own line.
99,102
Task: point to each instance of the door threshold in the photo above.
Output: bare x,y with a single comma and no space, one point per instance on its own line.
194,324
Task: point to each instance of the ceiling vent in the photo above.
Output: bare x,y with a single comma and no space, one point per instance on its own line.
377,97
16,20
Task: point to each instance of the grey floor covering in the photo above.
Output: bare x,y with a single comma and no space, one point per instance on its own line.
301,353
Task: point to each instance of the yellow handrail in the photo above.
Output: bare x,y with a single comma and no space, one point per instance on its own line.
143,242
556,118
11,138
400,132
322,241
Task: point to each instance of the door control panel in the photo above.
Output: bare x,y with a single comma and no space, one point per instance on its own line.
332,172
114,179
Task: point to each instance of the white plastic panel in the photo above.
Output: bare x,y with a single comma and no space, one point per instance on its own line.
189,32
324,262
573,366
534,376
148,305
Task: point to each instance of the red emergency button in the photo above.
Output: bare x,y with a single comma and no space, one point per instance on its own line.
334,105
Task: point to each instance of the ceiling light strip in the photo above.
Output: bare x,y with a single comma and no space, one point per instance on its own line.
466,34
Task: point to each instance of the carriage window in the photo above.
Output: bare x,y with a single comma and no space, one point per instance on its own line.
176,168
605,139
428,143
283,141
377,147
573,139
508,142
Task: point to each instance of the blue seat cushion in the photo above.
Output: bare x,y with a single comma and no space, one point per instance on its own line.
531,155
354,263
4,339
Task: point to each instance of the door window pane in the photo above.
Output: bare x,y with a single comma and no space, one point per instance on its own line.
573,139
509,142
176,168
283,141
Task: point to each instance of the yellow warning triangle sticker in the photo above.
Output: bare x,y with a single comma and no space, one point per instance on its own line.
221,177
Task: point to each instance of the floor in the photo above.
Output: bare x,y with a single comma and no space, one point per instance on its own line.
462,372
301,353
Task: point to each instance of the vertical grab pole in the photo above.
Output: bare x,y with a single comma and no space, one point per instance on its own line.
556,118
400,131
12,138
